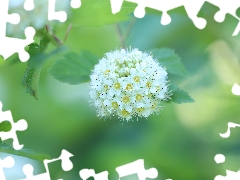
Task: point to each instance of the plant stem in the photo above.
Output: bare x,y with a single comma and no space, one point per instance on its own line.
120,35
130,27
56,39
67,33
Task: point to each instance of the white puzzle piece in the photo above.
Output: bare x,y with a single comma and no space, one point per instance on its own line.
87,173
192,8
230,175
236,89
137,167
9,45
7,162
230,125
220,158
67,165
20,125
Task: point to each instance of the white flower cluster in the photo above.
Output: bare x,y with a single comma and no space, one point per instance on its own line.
128,83
36,18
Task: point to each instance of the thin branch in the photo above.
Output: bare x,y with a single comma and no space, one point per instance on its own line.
56,39
67,33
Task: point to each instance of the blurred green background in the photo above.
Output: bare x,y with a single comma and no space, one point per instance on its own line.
180,143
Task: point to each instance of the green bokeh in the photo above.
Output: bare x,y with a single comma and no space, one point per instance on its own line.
180,143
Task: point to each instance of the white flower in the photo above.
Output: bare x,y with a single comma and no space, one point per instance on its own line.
128,83
36,18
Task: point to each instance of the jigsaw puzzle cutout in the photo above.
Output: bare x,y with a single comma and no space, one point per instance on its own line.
29,5
66,164
87,173
230,125
225,28
75,4
53,15
230,175
7,48
8,45
219,158
192,8
137,167
236,89
20,125
7,162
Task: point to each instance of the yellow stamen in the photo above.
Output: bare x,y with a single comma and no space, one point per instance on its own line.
154,106
115,105
148,84
140,110
136,78
125,99
117,85
106,72
125,113
105,87
129,87
138,97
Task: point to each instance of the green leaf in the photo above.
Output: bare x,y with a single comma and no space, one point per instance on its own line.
170,60
127,7
179,96
32,74
34,48
30,80
57,51
45,40
5,126
5,148
173,88
94,13
74,68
